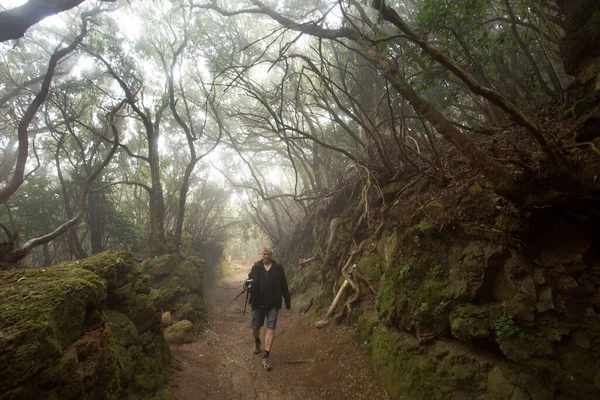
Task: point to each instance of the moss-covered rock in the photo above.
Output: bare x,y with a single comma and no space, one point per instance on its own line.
364,327
403,372
444,370
473,277
180,332
116,267
190,307
501,386
582,366
470,322
42,311
421,307
78,373
478,297
139,364
58,341
166,319
179,283
435,210
371,267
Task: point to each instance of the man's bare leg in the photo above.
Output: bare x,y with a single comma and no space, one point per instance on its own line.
256,334
268,343
269,339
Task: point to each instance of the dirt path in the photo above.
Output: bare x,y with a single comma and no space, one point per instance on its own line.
307,363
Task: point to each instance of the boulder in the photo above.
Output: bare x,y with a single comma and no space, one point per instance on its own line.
166,319
470,322
59,340
180,332
178,282
43,312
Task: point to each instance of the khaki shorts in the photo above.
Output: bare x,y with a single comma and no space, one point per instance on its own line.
258,317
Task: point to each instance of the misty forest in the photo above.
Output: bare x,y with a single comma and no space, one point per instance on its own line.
427,172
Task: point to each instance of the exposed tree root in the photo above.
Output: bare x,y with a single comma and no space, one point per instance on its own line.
303,261
351,278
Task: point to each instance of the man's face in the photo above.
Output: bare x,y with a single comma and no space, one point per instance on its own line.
266,256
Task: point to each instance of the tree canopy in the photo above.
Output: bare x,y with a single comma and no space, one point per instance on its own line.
167,124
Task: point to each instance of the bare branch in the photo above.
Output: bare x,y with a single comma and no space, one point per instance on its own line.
15,22
17,179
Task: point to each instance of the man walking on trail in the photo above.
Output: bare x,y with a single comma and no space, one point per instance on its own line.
268,287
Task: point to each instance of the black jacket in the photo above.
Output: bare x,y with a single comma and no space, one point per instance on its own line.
281,286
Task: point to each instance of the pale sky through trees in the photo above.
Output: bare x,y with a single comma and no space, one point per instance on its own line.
279,104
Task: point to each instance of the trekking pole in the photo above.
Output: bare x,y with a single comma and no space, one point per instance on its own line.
246,302
241,293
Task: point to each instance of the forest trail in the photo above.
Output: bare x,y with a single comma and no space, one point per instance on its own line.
307,363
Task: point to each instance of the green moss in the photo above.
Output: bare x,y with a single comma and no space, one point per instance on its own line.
364,327
174,278
370,266
398,300
164,394
145,309
402,373
146,373
434,209
476,203
111,375
423,228
354,315
41,312
524,347
138,364
225,269
470,322
191,307
123,331
45,334
461,374
180,332
115,266
582,105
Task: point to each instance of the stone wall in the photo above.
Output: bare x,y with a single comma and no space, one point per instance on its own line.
88,329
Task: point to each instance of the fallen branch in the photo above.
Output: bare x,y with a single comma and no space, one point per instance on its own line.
592,146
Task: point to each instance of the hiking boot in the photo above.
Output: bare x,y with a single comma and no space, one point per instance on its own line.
256,347
266,364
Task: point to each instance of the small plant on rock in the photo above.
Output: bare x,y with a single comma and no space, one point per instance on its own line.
505,327
439,271
424,226
405,271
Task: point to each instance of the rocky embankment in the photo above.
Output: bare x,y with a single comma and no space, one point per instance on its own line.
91,329
474,298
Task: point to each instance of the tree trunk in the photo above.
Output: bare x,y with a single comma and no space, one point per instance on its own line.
183,190
157,204
523,46
95,220
73,242
500,176
47,257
